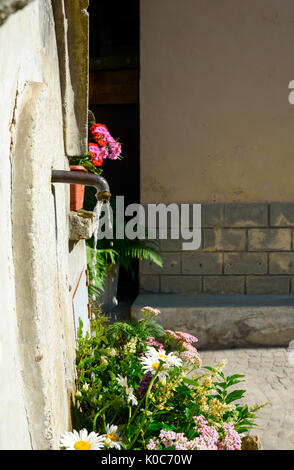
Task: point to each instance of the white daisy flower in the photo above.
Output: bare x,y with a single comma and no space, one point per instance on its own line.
131,396
151,361
81,440
112,439
123,381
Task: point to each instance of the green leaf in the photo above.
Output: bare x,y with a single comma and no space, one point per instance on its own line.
190,382
235,395
155,426
80,329
242,430
234,382
111,375
155,329
221,384
246,421
235,376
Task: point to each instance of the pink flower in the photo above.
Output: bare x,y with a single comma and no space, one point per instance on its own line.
153,444
172,333
208,435
115,150
232,440
152,342
96,155
190,353
110,148
104,152
182,337
100,131
187,337
151,310
207,439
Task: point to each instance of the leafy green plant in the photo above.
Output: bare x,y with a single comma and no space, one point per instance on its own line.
106,259
87,162
121,252
135,380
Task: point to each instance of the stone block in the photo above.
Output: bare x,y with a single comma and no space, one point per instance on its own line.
81,225
212,215
224,321
223,284
149,283
281,263
267,285
282,214
171,244
171,265
251,443
246,215
245,263
224,239
269,239
181,284
202,263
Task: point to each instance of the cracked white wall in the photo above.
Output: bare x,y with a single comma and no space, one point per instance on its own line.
36,329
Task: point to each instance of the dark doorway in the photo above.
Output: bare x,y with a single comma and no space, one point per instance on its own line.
114,100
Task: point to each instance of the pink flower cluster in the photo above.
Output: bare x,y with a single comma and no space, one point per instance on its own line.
190,353
152,342
208,435
232,440
151,311
106,146
207,439
182,337
171,439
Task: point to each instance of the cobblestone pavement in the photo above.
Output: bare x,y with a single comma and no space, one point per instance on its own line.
269,377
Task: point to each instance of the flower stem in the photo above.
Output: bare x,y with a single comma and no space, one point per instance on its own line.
146,405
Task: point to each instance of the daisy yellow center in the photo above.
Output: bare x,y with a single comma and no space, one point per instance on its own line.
82,445
112,437
161,355
156,365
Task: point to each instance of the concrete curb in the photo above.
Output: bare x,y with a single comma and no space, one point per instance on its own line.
225,321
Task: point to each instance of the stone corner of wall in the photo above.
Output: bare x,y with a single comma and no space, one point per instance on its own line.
81,225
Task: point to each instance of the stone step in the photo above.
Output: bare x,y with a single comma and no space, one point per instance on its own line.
225,321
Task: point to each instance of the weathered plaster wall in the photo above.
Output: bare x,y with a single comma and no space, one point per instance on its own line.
216,124
36,328
217,129
7,7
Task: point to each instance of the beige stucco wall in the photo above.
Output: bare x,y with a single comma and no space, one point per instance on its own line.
216,124
37,338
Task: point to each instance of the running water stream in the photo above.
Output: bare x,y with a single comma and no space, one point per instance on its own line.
97,211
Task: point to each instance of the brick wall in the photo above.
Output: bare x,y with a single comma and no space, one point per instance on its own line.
246,249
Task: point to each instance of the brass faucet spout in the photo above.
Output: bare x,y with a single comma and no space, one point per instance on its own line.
80,177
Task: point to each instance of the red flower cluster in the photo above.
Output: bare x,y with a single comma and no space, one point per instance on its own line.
96,155
106,146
